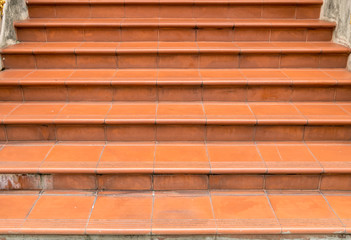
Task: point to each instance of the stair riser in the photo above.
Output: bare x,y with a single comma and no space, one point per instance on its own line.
177,59
169,34
90,131
172,182
223,93
175,11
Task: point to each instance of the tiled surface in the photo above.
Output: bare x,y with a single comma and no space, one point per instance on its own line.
168,158
178,212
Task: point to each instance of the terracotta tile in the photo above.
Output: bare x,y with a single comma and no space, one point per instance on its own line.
242,214
74,182
31,34
179,93
259,60
225,93
333,157
180,182
83,113
292,182
59,214
143,74
276,11
174,213
245,11
240,158
251,34
65,34
123,214
134,93
21,182
279,133
327,133
75,158
134,158
215,34
80,132
89,93
130,133
242,182
217,113
177,34
218,60
222,74
308,12
333,60
179,75
336,182
107,10
59,61
179,60
269,93
193,159
49,74
270,113
141,10
139,34
80,11
229,133
88,61
106,34
323,113
289,35
313,94
297,74
289,158
19,61
30,132
137,61
14,210
341,206
176,11
305,214
343,93
43,93
6,108
210,11
180,133
180,113
125,182
319,34
132,113
42,11
299,61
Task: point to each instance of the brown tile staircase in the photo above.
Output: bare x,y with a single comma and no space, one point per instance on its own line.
174,117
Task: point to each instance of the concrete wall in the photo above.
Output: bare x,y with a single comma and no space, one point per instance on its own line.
339,11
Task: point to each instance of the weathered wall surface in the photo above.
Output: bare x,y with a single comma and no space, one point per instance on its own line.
339,11
14,10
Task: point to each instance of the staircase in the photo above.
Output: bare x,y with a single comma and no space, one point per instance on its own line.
158,118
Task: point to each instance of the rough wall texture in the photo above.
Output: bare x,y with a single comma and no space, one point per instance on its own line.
14,10
339,11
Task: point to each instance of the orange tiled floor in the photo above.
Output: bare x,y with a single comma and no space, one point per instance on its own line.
181,212
198,158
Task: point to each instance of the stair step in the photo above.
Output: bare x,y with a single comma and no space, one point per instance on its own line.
175,166
175,213
170,121
125,30
176,55
176,85
295,9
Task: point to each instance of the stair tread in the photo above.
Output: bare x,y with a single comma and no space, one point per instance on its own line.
240,113
174,22
173,213
175,158
174,47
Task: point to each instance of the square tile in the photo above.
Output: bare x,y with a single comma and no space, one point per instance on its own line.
121,214
181,213
238,158
218,113
181,158
305,214
72,158
127,158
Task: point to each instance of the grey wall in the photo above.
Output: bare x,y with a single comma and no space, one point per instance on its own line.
339,11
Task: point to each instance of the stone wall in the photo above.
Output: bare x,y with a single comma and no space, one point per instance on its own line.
339,11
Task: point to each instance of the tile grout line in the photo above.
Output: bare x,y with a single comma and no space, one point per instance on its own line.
31,209
275,215
91,212
213,213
